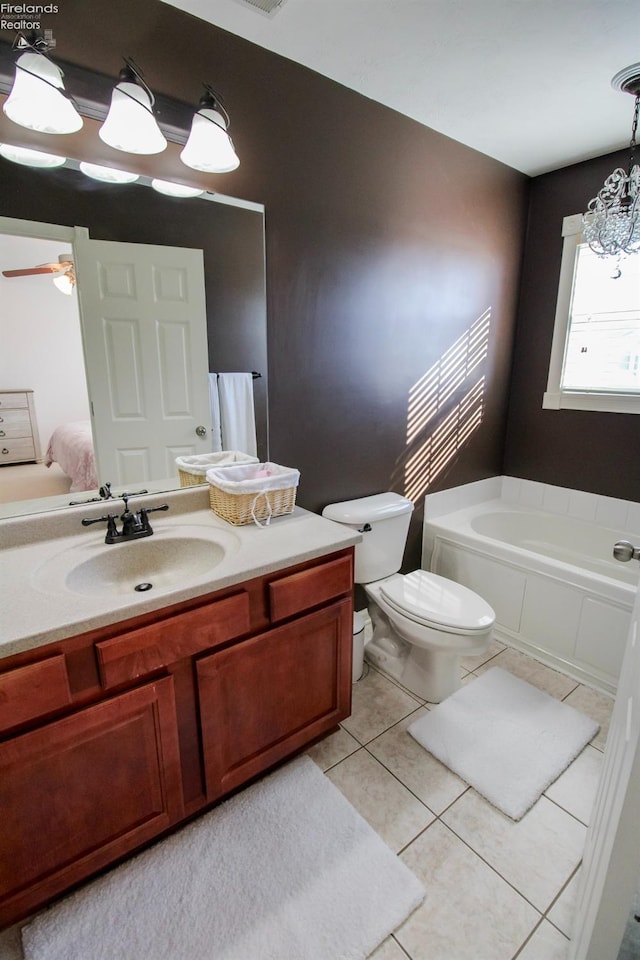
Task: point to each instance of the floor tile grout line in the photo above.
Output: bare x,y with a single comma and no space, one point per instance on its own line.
401,782
491,867
564,809
419,834
400,947
557,897
524,943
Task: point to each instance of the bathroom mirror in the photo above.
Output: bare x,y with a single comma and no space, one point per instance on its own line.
230,233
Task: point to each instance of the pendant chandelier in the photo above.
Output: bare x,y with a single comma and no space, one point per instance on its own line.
612,220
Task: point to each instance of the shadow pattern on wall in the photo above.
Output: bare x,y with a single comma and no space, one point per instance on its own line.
445,407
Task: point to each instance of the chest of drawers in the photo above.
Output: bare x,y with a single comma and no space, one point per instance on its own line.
19,441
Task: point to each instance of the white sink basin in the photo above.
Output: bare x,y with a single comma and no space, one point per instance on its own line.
170,558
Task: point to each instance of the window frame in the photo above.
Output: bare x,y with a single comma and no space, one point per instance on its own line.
555,398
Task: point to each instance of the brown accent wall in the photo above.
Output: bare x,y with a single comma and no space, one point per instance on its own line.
385,241
596,452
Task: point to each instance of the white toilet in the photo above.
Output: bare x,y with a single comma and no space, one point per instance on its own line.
422,623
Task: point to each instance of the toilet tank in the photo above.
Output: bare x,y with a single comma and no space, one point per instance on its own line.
388,515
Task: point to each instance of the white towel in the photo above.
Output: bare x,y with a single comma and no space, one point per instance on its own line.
214,400
237,416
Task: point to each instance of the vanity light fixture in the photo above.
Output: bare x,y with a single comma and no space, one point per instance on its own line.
612,221
30,158
107,174
37,99
171,189
131,125
209,147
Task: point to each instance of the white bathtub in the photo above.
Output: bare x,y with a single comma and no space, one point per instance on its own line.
557,592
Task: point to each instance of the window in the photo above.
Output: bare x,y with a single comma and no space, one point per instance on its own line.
595,356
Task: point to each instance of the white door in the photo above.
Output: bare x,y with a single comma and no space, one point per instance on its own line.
611,868
144,333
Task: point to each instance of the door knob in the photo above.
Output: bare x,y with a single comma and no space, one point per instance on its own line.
624,551
201,431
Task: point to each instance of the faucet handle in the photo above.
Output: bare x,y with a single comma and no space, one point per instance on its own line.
146,510
87,523
144,519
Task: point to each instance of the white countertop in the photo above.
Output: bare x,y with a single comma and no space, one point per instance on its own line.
38,610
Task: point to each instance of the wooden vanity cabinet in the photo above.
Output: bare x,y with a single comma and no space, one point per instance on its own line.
111,738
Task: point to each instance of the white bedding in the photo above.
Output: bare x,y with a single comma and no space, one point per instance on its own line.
71,446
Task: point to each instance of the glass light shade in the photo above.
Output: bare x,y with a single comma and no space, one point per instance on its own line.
612,221
36,100
65,282
209,147
130,125
108,174
175,189
30,158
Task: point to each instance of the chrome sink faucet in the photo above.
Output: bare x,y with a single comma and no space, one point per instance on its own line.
134,525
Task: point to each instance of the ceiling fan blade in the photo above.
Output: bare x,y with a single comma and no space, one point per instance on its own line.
40,269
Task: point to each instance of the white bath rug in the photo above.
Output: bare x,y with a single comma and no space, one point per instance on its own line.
286,870
505,738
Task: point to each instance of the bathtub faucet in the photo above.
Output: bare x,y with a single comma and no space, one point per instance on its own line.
624,551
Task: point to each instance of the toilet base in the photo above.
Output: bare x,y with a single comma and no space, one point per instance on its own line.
432,677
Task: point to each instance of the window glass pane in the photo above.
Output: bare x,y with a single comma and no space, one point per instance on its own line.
603,344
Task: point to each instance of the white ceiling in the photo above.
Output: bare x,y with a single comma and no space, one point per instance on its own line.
525,81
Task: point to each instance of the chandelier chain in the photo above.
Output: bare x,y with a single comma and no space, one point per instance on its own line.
634,130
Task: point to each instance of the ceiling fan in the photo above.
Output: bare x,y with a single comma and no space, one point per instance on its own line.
63,272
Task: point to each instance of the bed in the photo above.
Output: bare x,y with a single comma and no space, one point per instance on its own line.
71,447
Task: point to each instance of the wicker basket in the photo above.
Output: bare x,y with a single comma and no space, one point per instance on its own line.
192,471
191,479
238,506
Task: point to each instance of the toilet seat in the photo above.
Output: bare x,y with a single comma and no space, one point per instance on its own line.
433,601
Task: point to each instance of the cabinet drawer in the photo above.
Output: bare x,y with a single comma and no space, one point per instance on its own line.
33,691
139,652
15,423
300,591
18,449
14,400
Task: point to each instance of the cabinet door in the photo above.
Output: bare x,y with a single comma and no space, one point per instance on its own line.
267,697
80,792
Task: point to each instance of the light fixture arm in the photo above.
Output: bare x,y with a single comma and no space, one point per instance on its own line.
131,73
210,100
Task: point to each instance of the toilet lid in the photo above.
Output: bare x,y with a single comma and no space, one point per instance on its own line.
433,600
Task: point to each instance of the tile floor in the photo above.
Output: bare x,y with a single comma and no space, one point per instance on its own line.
496,889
